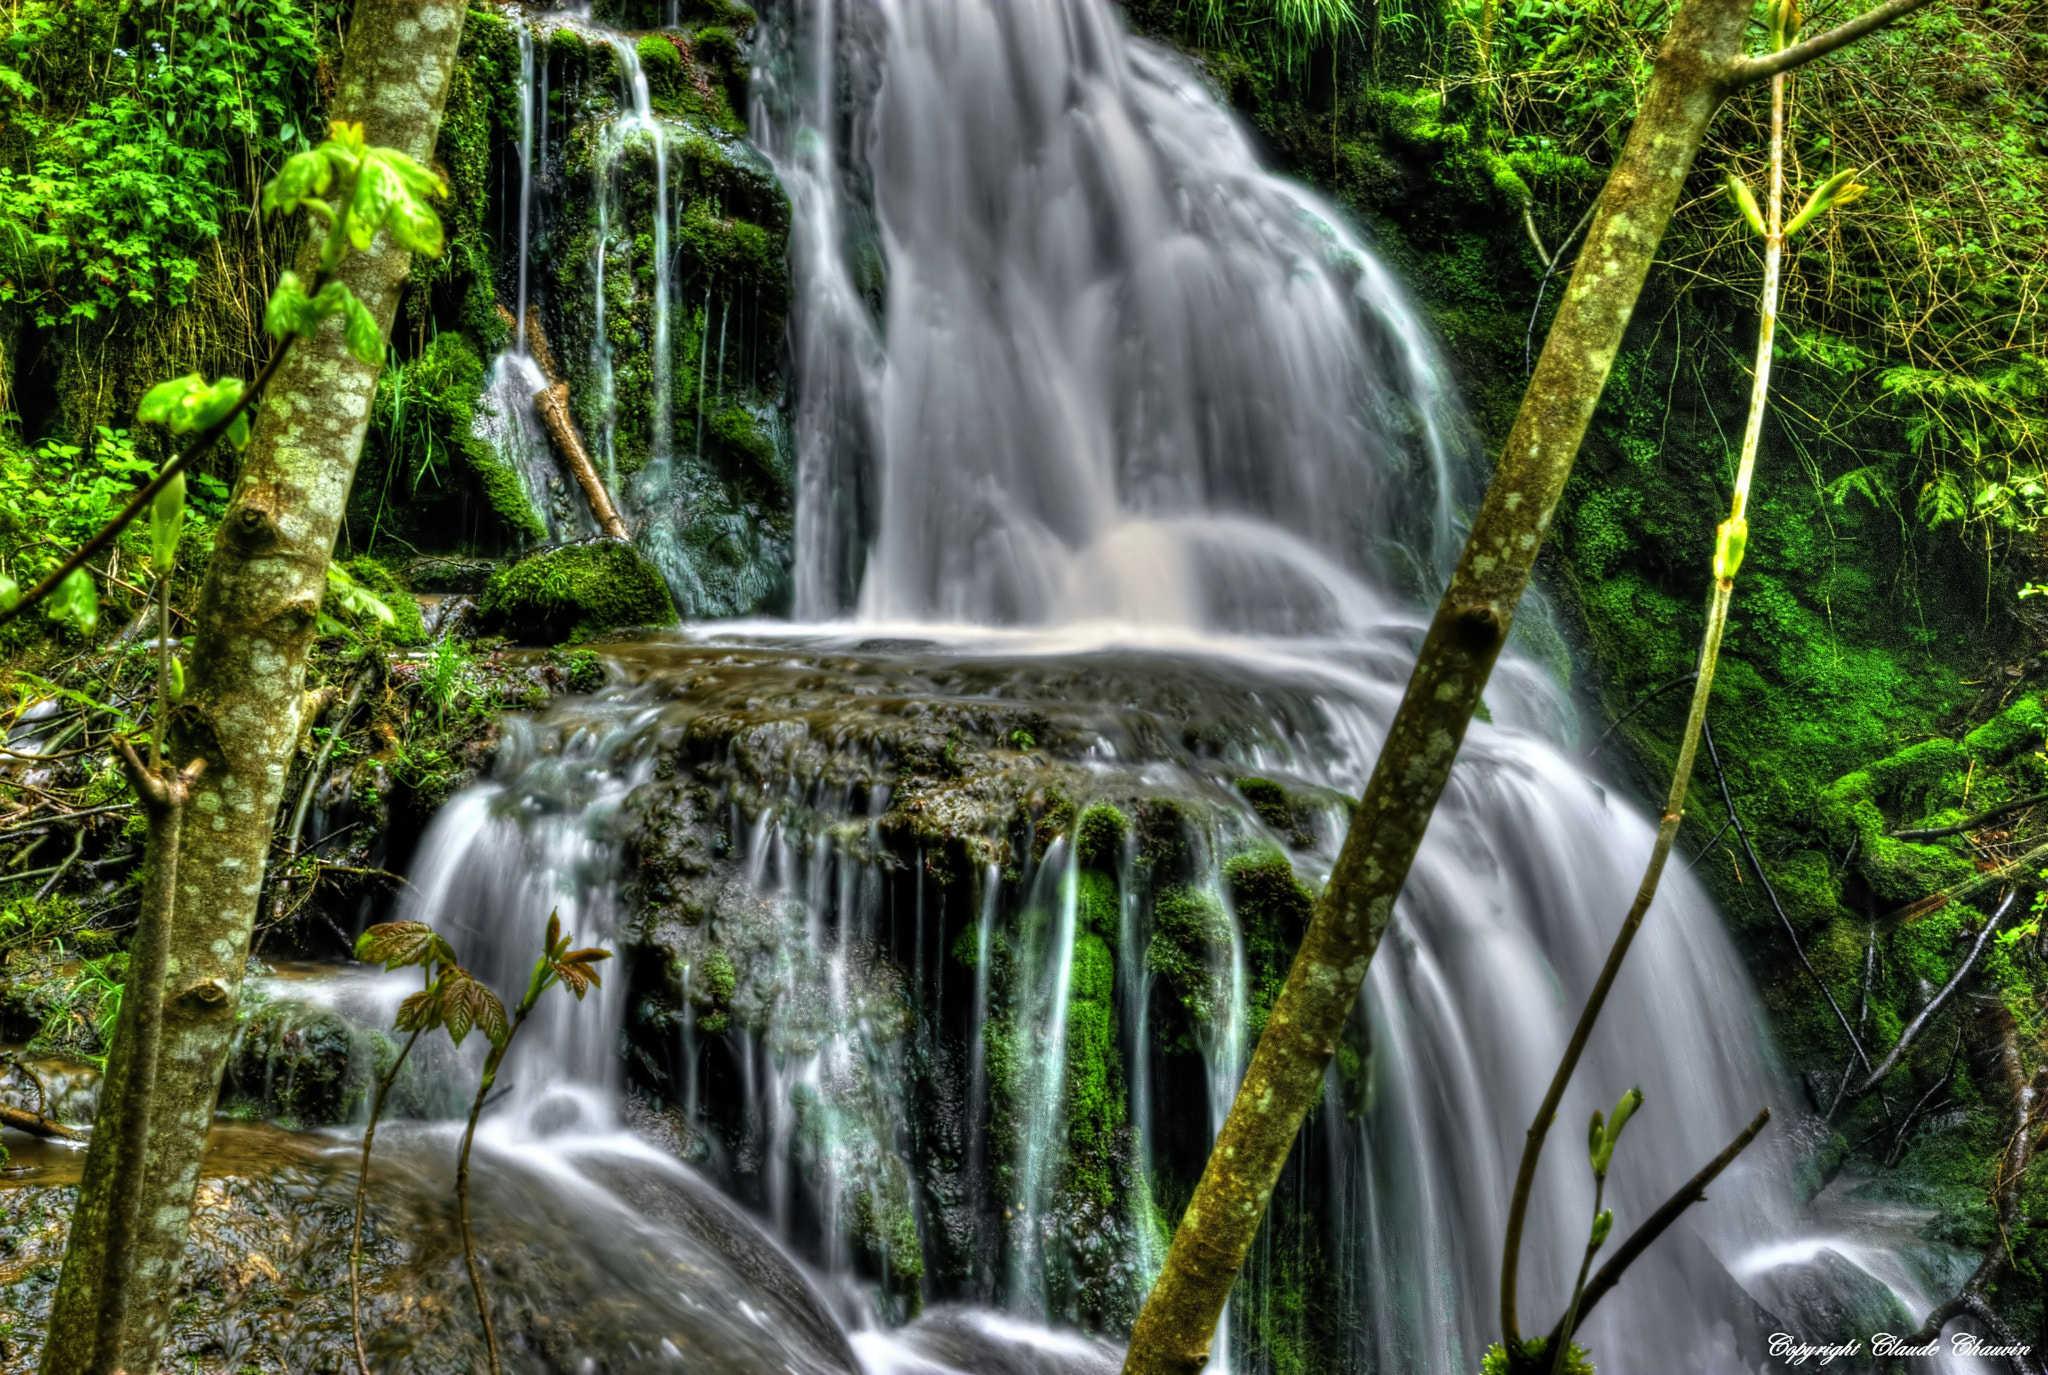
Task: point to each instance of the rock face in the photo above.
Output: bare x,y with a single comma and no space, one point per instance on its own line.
601,179
915,968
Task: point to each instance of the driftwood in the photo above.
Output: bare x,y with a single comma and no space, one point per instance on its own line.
552,405
35,1124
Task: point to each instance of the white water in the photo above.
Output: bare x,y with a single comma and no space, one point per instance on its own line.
1129,389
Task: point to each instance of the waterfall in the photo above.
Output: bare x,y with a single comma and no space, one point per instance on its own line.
1112,341
1122,469
642,122
526,122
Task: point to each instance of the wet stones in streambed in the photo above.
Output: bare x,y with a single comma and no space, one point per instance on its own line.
604,1258
297,1064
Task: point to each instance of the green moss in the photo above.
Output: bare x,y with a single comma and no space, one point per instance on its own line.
576,591
2021,726
1534,1358
718,976
1273,909
1093,1098
668,75
1100,836
1190,949
1095,903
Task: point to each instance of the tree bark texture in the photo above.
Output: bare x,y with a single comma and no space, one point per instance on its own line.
1699,64
245,709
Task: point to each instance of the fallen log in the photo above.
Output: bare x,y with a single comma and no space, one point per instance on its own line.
35,1124
551,403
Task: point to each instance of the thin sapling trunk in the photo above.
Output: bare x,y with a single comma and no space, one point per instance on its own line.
1731,541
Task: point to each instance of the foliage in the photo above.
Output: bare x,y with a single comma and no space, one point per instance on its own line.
120,174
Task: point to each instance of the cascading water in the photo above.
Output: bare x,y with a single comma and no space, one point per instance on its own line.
1129,487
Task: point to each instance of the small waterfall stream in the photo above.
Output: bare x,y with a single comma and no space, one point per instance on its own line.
949,912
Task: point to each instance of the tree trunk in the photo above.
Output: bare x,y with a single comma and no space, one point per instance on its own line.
245,709
1699,64
552,404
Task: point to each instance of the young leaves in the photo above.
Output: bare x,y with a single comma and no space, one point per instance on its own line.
1602,1138
352,597
167,524
382,188
185,405
292,312
399,944
575,970
76,600
1840,189
1731,540
468,1004
1745,200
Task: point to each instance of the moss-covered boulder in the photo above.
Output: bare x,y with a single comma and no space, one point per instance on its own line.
575,591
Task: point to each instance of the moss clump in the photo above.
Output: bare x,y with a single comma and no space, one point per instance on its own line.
575,591
667,74
1534,1358
1095,903
1100,836
585,671
1273,908
2021,726
1094,1090
1190,947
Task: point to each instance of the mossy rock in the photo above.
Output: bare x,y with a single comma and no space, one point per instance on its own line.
574,591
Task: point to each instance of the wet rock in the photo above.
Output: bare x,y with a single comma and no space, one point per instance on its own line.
951,1340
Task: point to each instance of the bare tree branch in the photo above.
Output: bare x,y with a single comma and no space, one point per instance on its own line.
1755,69
1927,1013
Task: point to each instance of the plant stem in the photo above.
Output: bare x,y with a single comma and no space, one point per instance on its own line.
163,668
1689,1193
1688,746
355,1242
1571,1312
483,1090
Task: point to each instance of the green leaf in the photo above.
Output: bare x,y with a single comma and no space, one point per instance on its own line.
1623,1110
1745,200
189,403
174,689
365,339
1731,539
290,312
1840,189
76,600
303,175
167,524
10,593
397,944
356,599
